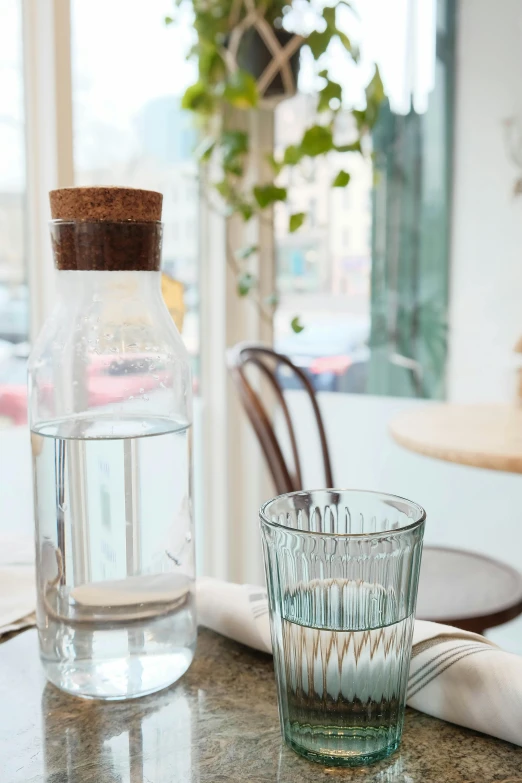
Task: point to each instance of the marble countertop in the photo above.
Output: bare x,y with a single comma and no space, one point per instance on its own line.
219,724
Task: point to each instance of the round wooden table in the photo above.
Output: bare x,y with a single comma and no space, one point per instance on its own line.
458,587
484,436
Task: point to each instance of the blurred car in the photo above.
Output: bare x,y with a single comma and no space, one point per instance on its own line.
334,356
109,381
13,391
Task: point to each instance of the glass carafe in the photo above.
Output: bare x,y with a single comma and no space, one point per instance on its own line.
111,415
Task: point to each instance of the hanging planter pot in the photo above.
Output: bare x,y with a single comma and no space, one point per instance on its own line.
270,54
276,78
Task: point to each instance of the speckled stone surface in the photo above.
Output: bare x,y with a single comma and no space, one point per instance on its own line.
219,724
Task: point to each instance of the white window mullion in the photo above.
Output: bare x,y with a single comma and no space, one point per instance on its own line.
49,136
235,474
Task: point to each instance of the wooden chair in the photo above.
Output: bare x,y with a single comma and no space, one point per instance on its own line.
456,587
287,478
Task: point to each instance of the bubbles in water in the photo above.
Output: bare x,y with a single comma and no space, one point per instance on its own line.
141,391
151,366
145,398
109,335
188,536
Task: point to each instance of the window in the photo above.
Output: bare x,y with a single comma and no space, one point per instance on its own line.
359,307
14,309
129,128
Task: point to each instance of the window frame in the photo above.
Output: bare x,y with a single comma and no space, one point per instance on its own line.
48,138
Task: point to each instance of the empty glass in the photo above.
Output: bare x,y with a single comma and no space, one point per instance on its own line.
342,570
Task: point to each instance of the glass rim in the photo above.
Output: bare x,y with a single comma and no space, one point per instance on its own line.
314,533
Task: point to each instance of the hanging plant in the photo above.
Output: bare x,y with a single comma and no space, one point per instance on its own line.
247,59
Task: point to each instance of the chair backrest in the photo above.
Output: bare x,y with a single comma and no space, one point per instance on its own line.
287,478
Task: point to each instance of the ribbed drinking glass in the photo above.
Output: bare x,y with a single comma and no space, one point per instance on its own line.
342,571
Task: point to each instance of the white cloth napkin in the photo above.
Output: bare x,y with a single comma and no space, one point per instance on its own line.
455,675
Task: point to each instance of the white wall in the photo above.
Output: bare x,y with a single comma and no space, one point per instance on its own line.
486,257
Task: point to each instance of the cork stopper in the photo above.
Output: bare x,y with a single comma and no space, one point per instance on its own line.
106,203
106,229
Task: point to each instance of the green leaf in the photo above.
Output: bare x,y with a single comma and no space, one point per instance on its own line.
296,221
355,146
225,189
203,151
234,142
246,210
331,91
329,17
246,252
234,145
375,89
350,48
374,97
296,325
317,140
245,284
268,194
318,42
275,164
198,98
212,68
360,119
292,155
341,180
272,300
241,90
168,20
233,167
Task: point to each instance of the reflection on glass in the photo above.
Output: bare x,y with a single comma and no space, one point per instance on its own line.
126,743
14,317
392,771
